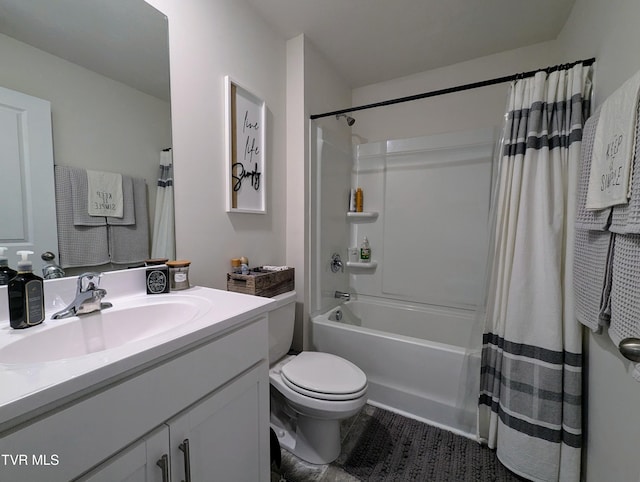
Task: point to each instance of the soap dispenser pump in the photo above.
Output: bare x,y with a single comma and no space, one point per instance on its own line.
26,295
6,273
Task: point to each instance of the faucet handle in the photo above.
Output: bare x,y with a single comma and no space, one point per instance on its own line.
336,263
88,281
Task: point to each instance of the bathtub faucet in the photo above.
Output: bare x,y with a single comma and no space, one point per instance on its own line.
342,295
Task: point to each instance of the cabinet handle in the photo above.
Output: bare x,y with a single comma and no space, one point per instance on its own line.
163,463
184,447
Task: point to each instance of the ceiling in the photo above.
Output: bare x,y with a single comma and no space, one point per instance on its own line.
125,40
367,41
370,41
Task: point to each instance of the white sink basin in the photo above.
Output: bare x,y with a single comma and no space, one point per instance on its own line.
129,321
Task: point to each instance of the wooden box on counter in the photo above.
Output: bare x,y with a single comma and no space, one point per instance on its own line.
262,283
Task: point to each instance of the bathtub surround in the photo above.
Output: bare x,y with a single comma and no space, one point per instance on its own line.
432,196
530,399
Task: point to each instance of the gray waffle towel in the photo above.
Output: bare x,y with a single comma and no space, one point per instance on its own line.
594,220
625,288
592,277
593,245
130,243
78,245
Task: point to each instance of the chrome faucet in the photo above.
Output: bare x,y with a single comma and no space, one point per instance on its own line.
51,270
341,295
88,297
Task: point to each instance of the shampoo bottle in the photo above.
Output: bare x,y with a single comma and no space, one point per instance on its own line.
26,295
6,273
359,200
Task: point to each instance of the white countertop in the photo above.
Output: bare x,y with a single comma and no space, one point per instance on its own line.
30,389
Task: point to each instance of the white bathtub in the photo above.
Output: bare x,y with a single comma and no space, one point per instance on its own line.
413,357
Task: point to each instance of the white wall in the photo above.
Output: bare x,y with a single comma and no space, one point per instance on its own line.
209,39
313,87
609,31
97,123
471,109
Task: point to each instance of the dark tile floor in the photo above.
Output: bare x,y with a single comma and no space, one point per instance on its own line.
480,464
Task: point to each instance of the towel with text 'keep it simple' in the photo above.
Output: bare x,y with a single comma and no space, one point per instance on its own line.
80,194
613,149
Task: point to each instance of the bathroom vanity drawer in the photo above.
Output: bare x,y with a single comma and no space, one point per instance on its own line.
73,439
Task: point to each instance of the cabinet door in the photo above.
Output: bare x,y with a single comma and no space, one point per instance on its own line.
142,462
225,436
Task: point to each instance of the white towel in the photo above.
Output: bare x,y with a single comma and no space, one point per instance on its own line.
613,149
105,196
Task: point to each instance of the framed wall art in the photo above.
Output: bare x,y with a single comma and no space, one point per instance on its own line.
245,142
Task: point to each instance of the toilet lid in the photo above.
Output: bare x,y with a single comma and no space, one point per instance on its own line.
324,376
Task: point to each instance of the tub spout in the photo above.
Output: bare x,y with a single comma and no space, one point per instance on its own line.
342,295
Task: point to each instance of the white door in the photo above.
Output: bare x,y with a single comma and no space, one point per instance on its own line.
27,202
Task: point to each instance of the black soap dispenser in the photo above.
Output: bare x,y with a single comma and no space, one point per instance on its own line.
6,273
26,295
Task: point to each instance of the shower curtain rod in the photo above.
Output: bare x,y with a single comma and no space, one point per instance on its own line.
458,88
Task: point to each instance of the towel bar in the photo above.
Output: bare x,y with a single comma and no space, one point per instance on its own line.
630,349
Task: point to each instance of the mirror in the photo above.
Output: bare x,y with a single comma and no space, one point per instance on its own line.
104,69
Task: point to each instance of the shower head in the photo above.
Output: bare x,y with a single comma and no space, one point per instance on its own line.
350,120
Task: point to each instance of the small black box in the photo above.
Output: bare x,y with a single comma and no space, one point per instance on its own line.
158,280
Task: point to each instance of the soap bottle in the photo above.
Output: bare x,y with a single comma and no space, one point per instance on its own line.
26,295
365,251
6,273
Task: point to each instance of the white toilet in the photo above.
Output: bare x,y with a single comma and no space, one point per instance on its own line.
310,392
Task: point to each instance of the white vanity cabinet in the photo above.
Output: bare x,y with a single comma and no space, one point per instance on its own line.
214,396
217,438
145,461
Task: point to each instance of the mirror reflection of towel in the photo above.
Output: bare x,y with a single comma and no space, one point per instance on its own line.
78,244
130,243
105,196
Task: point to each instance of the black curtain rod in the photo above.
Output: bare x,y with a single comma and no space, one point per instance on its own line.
458,88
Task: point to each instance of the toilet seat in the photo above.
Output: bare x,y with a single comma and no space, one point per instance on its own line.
324,376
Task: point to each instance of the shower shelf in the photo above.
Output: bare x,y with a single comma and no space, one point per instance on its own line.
371,215
359,264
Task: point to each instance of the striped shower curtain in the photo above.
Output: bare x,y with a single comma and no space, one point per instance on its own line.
164,244
530,392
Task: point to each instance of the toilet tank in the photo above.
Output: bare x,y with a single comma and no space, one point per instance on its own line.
281,323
